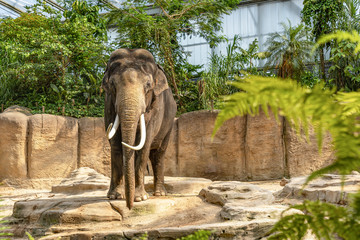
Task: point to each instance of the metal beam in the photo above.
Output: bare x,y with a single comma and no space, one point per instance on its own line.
55,5
10,7
250,2
112,6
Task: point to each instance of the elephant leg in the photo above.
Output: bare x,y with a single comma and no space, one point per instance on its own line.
157,162
140,169
116,190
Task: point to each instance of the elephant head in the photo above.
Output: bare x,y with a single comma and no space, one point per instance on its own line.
132,80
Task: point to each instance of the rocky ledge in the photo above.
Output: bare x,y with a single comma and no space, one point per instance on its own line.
77,208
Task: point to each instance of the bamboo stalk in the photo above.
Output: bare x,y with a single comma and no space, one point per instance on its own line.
63,111
2,107
43,109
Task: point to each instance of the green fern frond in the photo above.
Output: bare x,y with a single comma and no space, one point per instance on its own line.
323,219
340,36
320,107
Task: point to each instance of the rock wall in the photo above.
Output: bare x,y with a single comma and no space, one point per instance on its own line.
44,146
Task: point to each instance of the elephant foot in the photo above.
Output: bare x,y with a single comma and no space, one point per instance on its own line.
140,194
160,190
117,193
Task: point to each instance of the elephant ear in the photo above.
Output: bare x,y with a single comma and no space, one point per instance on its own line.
161,83
105,81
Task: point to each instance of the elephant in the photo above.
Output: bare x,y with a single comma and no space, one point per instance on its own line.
139,108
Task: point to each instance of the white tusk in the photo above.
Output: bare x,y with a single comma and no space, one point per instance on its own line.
143,135
111,130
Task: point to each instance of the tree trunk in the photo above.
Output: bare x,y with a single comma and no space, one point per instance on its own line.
322,64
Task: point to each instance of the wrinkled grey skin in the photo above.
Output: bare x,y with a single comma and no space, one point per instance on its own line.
135,84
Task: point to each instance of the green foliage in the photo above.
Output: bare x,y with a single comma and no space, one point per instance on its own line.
188,87
326,111
224,68
353,37
352,18
30,237
322,17
326,221
289,50
309,79
346,61
345,67
53,59
3,227
199,235
160,28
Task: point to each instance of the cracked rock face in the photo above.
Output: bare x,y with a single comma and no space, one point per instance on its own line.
243,194
234,211
326,188
78,209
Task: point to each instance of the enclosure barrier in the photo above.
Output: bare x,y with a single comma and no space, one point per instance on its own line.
44,146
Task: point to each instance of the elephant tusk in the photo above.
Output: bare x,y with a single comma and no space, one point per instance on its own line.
111,130
143,135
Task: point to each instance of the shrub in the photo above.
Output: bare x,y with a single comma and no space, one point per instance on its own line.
53,59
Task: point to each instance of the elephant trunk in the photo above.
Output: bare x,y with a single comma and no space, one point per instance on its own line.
130,112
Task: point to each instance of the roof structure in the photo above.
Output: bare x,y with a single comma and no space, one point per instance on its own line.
253,19
13,8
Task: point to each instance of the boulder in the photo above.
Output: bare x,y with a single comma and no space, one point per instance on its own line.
221,158
81,180
179,185
303,157
16,108
53,146
13,145
61,210
94,147
326,188
235,211
264,147
226,231
244,194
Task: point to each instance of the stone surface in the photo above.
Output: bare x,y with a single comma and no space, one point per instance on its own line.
245,148
222,158
90,215
225,231
264,147
94,147
244,194
86,179
60,211
53,146
36,183
180,185
81,180
235,211
16,108
304,157
326,188
13,145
